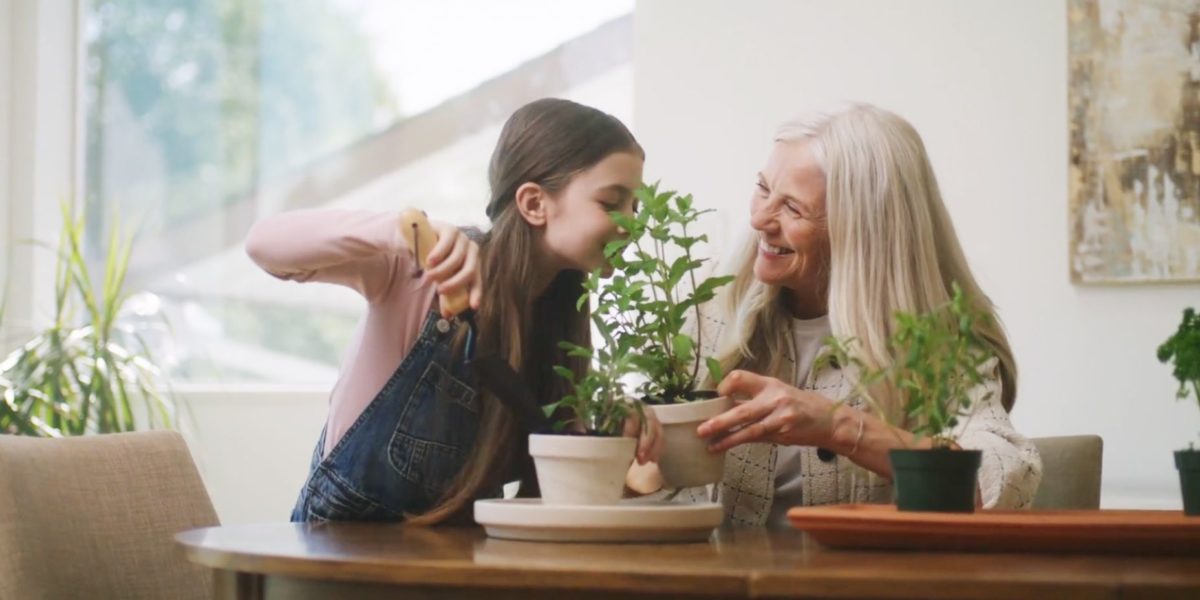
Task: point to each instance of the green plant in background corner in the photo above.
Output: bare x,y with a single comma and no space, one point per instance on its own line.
653,290
1183,350
76,376
937,363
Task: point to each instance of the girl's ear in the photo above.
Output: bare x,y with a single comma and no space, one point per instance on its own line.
531,201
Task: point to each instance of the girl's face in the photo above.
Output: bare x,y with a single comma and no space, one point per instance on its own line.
788,211
577,225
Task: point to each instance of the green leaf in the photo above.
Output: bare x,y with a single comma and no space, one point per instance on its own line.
714,370
707,289
615,248
682,345
625,222
678,269
684,203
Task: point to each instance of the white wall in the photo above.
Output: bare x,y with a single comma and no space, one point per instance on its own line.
985,84
253,446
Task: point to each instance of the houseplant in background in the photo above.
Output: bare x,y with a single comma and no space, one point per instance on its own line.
653,292
1182,349
584,461
938,359
83,373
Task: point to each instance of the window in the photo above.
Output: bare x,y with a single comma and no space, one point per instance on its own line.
201,117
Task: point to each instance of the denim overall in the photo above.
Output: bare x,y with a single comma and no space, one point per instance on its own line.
408,444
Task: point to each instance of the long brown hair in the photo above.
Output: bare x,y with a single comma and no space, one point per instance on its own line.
546,142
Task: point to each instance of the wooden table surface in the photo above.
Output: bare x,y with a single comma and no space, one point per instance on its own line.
354,560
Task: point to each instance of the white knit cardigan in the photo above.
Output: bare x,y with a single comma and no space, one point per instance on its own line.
1008,475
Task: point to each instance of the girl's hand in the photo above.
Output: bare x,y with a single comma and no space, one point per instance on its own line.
650,442
454,264
641,480
769,410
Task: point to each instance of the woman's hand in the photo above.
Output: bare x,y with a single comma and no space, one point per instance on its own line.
769,410
650,440
454,264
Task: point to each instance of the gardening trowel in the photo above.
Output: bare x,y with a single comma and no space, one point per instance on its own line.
492,371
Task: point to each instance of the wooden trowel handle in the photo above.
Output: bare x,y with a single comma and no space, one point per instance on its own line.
421,238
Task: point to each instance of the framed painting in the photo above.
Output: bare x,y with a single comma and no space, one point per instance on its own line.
1134,113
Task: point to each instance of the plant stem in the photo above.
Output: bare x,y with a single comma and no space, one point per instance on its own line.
699,326
662,330
668,291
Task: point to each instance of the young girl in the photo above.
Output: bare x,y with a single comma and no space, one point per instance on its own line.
409,434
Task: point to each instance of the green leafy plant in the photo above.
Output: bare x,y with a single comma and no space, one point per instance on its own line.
598,404
653,289
76,376
937,360
1183,350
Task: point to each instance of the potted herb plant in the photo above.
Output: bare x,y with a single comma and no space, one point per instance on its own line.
584,461
79,376
937,363
648,300
1182,349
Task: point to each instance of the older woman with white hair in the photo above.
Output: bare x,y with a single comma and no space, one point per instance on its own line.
848,228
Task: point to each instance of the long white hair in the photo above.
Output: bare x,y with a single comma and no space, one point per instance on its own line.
892,248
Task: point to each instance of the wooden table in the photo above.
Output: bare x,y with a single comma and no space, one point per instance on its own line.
352,560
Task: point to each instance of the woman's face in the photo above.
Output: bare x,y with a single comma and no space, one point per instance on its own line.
577,222
788,212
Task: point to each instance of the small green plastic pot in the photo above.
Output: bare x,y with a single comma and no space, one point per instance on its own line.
935,480
1188,463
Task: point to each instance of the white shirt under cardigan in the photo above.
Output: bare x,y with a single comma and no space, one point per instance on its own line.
808,337
1009,472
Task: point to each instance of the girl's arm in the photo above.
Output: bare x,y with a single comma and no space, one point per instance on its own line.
362,250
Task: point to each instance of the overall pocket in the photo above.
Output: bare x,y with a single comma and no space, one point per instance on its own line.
435,431
329,498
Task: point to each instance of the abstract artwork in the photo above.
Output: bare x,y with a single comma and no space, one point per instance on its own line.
1134,111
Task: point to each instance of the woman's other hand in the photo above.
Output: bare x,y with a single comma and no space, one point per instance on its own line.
769,410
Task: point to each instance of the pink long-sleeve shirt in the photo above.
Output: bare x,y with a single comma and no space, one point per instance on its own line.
365,251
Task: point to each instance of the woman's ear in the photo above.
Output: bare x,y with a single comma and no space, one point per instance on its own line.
531,201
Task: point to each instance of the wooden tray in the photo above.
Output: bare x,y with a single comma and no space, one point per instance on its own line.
1086,531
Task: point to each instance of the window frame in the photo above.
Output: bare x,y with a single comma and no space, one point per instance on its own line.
39,154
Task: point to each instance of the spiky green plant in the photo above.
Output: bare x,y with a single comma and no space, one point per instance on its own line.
76,376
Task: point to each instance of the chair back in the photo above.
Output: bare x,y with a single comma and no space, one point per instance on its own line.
95,517
1071,468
